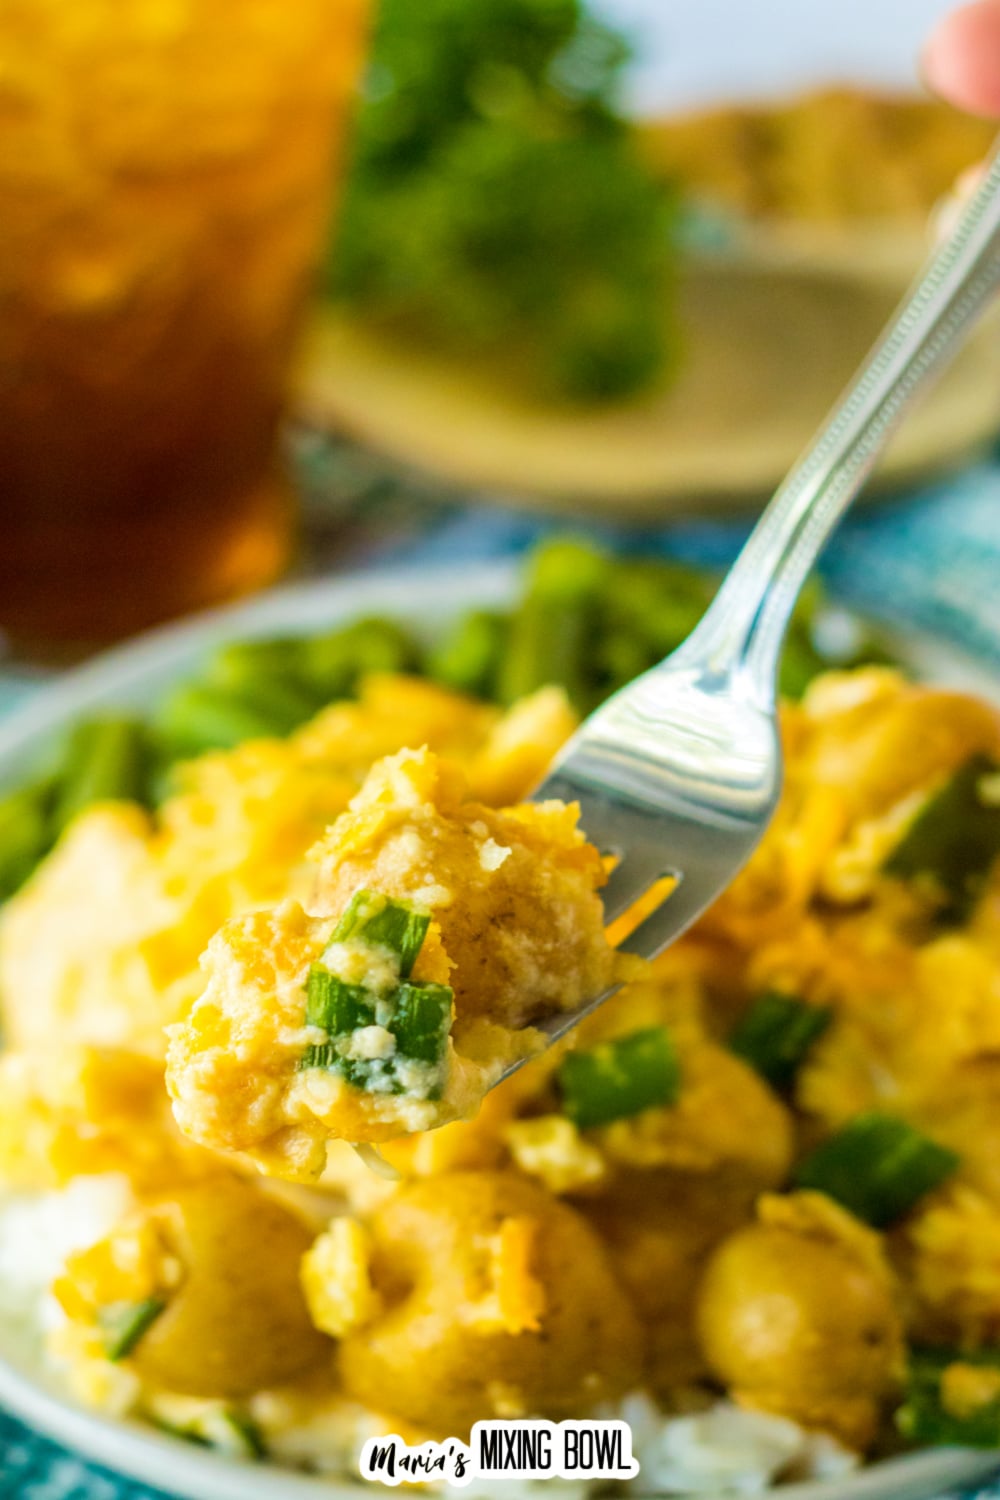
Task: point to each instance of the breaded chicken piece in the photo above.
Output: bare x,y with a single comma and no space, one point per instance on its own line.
439,931
484,1297
951,1253
799,1314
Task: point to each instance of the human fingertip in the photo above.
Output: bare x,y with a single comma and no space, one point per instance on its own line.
961,59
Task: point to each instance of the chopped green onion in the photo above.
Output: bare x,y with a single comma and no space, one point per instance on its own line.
324,1056
384,924
420,1023
231,1432
954,839
106,760
922,1418
878,1167
620,1078
422,1020
336,1006
234,1433
776,1033
469,657
123,1324
186,1434
556,624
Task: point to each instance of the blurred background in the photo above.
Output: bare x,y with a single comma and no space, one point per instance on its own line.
723,215
683,59
292,293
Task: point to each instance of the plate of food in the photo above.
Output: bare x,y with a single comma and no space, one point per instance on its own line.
276,916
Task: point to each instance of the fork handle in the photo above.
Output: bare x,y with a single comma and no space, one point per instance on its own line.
742,632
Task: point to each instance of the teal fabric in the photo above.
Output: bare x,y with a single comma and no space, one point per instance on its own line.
929,560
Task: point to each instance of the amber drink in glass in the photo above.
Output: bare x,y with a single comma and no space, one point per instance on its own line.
166,176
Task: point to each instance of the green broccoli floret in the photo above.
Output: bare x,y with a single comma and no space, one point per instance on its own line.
495,205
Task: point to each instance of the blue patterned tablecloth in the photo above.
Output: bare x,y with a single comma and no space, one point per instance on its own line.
929,560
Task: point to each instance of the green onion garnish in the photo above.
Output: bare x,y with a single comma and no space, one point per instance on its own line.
235,1433
384,924
922,1418
776,1033
878,1167
231,1432
336,1006
123,1324
620,1078
417,1016
326,1055
422,1020
954,839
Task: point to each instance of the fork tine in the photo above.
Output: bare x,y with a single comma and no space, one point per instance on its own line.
682,907
629,882
615,828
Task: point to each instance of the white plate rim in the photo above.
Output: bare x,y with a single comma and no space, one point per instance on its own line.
133,675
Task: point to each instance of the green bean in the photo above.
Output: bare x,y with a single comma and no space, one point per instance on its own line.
647,609
26,833
285,704
334,663
469,656
271,675
198,717
106,759
554,629
240,665
658,602
618,659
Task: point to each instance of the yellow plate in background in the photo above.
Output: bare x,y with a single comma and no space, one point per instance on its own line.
770,338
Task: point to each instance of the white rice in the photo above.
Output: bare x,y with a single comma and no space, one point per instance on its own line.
38,1231
725,1450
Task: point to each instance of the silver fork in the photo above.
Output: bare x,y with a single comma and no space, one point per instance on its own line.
679,773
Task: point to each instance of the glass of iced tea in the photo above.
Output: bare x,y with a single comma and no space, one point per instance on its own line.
166,173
